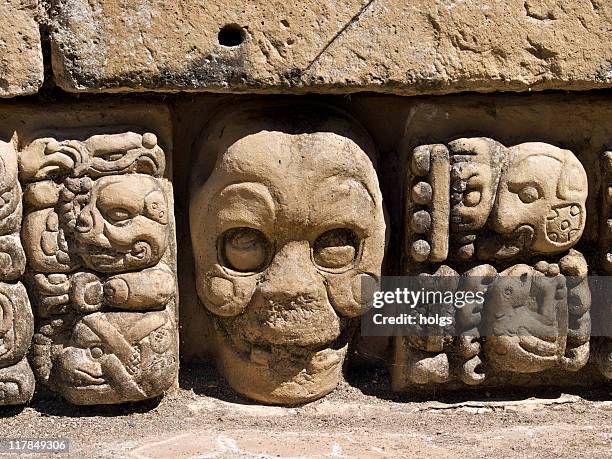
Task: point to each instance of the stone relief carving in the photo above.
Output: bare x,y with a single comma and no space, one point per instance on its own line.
476,200
536,318
97,229
492,202
286,229
603,350
16,320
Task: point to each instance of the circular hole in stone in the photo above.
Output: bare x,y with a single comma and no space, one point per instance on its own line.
231,35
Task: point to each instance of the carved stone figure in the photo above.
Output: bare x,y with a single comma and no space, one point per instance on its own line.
540,204
16,320
97,229
108,357
115,223
287,229
536,318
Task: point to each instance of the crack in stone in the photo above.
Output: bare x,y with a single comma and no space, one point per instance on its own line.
338,34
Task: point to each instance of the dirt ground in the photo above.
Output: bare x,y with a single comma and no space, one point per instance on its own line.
205,419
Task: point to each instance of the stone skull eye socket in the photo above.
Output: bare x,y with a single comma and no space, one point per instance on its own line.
336,248
529,194
245,249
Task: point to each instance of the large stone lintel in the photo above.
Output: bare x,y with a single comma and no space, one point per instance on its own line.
418,47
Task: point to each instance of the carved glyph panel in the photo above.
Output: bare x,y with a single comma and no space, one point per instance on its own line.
97,231
603,349
522,209
475,199
16,320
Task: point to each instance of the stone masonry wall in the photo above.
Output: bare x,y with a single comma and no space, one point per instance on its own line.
229,182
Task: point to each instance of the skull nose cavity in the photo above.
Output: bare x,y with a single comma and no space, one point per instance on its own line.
297,288
291,276
289,293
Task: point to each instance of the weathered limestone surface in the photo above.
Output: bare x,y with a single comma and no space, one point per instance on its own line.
425,46
16,320
98,234
519,196
21,63
97,229
478,200
287,230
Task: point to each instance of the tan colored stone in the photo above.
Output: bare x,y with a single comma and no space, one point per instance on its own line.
603,346
16,319
501,203
425,46
285,229
21,62
99,243
98,231
529,327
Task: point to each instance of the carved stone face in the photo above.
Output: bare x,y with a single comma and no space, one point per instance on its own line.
16,328
477,164
285,231
541,199
116,357
117,223
16,323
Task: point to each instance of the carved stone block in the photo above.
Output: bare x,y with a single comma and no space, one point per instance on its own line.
16,319
286,229
503,203
603,346
409,48
521,208
537,318
99,236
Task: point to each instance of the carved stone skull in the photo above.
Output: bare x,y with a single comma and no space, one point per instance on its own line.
286,229
541,199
